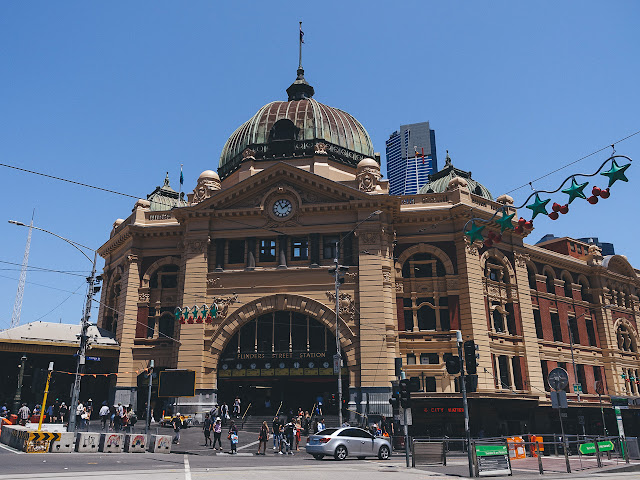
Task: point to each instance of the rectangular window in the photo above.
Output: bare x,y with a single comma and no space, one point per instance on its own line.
505,378
573,326
573,247
591,332
555,325
429,359
579,248
582,378
267,250
445,324
430,384
236,251
411,359
538,321
545,374
329,247
300,248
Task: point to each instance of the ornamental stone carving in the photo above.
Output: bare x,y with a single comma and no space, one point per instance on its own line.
222,304
521,259
369,238
347,305
208,183
143,297
386,277
472,248
214,282
399,287
196,246
248,154
368,175
321,149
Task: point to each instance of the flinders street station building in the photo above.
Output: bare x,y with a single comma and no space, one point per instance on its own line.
233,283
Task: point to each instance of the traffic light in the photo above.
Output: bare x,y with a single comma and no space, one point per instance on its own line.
452,362
414,384
395,396
38,380
405,393
342,269
471,383
470,357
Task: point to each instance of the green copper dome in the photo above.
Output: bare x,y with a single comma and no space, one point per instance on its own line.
438,182
294,128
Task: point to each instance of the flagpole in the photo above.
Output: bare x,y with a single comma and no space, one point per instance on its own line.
300,47
180,183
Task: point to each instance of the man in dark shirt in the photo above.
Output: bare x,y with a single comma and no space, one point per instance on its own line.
176,421
276,433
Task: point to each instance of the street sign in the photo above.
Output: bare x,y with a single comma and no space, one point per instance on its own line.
559,399
409,417
493,460
577,388
581,419
590,448
336,364
558,378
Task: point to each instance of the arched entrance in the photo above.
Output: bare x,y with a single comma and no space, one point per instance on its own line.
281,357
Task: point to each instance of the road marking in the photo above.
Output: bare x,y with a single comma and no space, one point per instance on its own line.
10,449
249,445
187,468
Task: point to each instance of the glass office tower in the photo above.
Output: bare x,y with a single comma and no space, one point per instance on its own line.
411,157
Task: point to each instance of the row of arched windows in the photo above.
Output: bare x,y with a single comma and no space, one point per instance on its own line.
551,286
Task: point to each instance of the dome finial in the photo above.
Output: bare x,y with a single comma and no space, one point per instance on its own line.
166,180
447,161
300,89
300,47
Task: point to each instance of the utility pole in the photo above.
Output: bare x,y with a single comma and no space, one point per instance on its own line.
463,388
18,395
91,280
336,266
148,421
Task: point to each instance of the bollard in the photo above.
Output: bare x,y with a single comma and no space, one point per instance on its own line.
539,458
565,448
598,460
555,444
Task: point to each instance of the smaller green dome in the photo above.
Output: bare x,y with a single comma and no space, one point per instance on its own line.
438,182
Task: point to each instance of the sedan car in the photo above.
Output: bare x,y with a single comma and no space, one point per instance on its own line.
347,441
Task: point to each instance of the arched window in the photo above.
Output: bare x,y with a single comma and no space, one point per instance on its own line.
498,294
495,270
165,277
626,340
166,325
283,129
551,286
423,265
110,321
567,286
584,291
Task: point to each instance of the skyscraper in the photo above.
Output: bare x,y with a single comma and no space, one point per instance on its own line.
411,157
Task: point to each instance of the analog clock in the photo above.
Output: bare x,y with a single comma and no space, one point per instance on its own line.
282,208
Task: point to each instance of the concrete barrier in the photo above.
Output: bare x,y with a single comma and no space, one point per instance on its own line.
87,442
160,444
135,443
27,439
111,442
65,444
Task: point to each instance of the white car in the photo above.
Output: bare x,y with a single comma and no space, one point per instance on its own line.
347,441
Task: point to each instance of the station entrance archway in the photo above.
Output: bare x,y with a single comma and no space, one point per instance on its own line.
281,357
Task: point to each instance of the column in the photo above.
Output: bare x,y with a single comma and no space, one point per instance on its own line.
282,251
532,380
314,250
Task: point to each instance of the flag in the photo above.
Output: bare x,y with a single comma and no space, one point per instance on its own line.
301,34
181,177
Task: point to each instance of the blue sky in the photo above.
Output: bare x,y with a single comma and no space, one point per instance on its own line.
117,93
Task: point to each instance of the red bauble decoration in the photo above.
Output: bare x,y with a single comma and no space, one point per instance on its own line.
564,209
497,238
556,207
519,230
199,320
521,221
554,215
605,193
182,320
528,225
488,243
596,191
592,199
190,320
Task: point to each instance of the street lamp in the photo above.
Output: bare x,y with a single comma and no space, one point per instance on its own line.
17,397
91,280
336,270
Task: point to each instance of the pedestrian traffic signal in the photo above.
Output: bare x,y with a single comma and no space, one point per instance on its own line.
470,357
471,383
395,396
452,362
405,393
342,269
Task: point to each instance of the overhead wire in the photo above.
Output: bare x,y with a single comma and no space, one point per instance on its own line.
43,269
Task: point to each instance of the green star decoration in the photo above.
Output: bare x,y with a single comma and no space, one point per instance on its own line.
505,221
475,232
539,206
616,173
575,190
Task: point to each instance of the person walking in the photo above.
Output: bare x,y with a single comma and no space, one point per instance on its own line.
224,412
263,437
288,437
297,433
321,426
23,414
233,437
176,421
236,408
64,410
207,425
104,415
275,428
79,414
217,433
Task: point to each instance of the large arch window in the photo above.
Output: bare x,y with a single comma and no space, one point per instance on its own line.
426,301
162,284
498,295
567,285
550,282
531,274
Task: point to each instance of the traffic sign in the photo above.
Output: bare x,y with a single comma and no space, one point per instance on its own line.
336,363
589,448
559,399
577,388
558,378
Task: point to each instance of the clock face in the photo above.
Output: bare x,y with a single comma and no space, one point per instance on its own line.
282,208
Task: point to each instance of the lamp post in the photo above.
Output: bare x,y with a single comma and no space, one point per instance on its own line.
18,395
337,269
91,281
148,419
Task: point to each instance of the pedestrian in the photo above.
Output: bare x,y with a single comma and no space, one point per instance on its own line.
23,414
236,407
176,421
89,408
49,413
217,434
233,437
320,401
56,411
104,415
263,437
79,414
297,433
224,412
289,435
4,410
275,428
306,423
206,429
64,410
321,426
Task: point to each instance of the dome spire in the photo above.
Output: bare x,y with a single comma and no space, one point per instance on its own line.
300,89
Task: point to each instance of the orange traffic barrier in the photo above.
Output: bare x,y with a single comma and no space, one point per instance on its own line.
516,448
533,439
